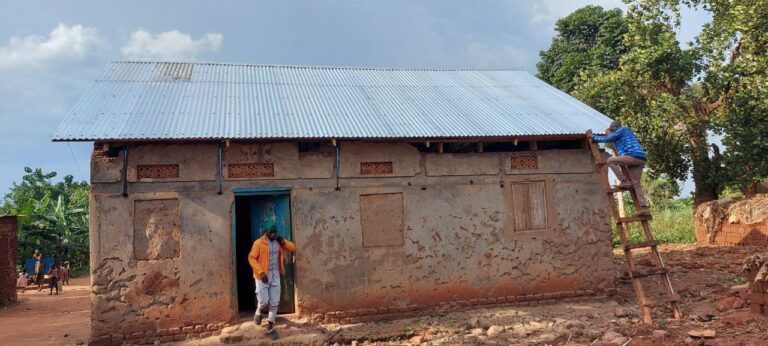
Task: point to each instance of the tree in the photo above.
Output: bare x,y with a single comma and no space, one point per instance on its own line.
589,38
674,97
53,217
733,48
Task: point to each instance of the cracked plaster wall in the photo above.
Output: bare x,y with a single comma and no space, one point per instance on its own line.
458,236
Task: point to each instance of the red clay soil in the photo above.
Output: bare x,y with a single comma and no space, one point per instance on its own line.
40,319
702,275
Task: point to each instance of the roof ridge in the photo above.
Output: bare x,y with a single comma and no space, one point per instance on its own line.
515,69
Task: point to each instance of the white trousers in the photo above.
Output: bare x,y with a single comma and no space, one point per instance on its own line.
268,294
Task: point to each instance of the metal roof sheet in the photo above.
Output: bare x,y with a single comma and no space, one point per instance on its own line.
174,100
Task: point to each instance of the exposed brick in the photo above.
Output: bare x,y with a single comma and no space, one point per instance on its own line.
204,335
187,329
212,327
174,330
166,338
162,332
198,328
179,337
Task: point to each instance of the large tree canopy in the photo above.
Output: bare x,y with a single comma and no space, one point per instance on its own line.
674,97
53,217
589,38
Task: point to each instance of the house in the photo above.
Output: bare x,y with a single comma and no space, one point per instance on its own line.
403,189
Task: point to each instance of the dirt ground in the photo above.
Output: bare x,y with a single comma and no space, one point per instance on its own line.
40,319
702,276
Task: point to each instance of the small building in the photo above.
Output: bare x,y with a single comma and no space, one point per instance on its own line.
404,190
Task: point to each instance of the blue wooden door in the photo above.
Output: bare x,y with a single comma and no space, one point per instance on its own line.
276,208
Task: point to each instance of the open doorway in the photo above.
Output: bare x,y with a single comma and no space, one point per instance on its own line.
252,210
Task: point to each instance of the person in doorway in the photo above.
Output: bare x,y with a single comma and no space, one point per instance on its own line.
39,274
266,259
53,278
631,155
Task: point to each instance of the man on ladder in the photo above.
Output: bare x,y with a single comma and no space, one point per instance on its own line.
632,156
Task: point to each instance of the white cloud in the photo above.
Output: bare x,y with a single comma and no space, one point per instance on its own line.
70,43
169,45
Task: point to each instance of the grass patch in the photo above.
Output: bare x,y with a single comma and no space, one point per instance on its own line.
78,272
672,223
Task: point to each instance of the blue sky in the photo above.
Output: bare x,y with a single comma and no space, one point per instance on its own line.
50,51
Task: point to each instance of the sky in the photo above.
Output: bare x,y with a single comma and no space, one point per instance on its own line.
51,51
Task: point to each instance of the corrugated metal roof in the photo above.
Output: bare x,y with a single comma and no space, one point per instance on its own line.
170,100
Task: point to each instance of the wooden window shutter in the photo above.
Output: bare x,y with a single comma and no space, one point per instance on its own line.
529,204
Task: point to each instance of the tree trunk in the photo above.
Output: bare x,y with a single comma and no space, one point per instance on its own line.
705,177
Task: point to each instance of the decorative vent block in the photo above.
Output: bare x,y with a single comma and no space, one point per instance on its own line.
157,171
376,168
525,162
250,170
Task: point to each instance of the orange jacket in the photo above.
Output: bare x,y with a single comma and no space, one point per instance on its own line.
259,255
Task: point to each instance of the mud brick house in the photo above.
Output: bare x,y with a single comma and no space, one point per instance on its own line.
403,189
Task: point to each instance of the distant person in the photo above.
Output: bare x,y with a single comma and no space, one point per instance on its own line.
39,274
53,278
22,281
266,259
631,155
64,274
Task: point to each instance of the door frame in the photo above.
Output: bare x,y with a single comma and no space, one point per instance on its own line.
245,192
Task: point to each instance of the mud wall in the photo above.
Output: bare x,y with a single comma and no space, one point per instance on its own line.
404,228
8,230
733,222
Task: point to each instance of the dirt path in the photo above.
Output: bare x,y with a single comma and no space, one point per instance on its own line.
40,319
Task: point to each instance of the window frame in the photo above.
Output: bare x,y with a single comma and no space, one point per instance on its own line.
551,208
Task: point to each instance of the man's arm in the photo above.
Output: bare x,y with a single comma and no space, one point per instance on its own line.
288,245
614,136
253,259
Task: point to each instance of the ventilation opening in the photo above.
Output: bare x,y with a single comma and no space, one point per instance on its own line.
423,148
504,147
315,147
459,148
564,144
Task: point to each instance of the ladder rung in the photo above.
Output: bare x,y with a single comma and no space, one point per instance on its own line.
654,271
649,243
660,300
629,219
618,189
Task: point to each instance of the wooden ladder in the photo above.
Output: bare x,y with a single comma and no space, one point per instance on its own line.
622,223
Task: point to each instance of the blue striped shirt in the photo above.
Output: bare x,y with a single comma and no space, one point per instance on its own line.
626,142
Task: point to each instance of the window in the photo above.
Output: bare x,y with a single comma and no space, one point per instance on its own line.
529,206
381,218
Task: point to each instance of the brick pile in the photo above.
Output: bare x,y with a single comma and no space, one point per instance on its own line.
756,269
391,313
8,229
150,337
733,222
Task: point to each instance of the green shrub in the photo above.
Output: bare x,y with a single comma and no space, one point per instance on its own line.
672,223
